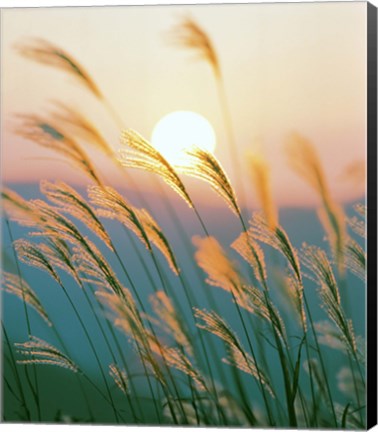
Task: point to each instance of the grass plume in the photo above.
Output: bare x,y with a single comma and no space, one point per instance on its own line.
142,155
41,352
120,378
79,126
46,134
304,160
113,205
47,53
260,174
70,201
213,323
201,164
188,34
13,284
251,252
169,320
316,260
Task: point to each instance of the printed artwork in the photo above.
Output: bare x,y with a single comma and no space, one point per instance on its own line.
184,215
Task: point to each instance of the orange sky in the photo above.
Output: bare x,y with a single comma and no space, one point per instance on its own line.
287,67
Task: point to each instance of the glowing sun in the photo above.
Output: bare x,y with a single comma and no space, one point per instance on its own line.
181,130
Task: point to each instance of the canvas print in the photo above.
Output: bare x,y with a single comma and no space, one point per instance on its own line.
184,195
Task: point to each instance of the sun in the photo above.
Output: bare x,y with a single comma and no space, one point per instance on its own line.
181,130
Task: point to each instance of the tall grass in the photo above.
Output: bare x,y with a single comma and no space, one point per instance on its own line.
251,364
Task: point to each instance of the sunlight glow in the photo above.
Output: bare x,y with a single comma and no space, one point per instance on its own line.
181,130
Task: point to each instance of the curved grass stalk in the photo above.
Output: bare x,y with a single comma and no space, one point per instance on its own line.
43,353
114,206
33,388
316,260
91,415
47,53
166,360
70,201
180,340
276,237
322,365
277,328
17,377
46,134
211,301
22,290
304,160
209,169
95,266
260,174
52,131
247,247
203,165
59,254
55,135
13,284
186,291
130,321
34,256
142,155
356,259
188,34
40,352
222,273
92,262
78,125
217,326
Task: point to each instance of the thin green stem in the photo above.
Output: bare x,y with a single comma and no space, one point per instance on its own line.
250,345
35,391
92,348
124,362
355,387
322,365
135,291
204,350
283,360
91,415
232,146
17,377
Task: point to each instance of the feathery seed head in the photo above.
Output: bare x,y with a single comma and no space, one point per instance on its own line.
212,259
78,125
201,164
71,202
169,319
278,239
33,255
120,378
47,53
43,353
142,155
188,34
249,250
14,284
261,178
46,133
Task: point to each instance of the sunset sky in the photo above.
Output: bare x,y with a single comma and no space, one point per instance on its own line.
287,67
